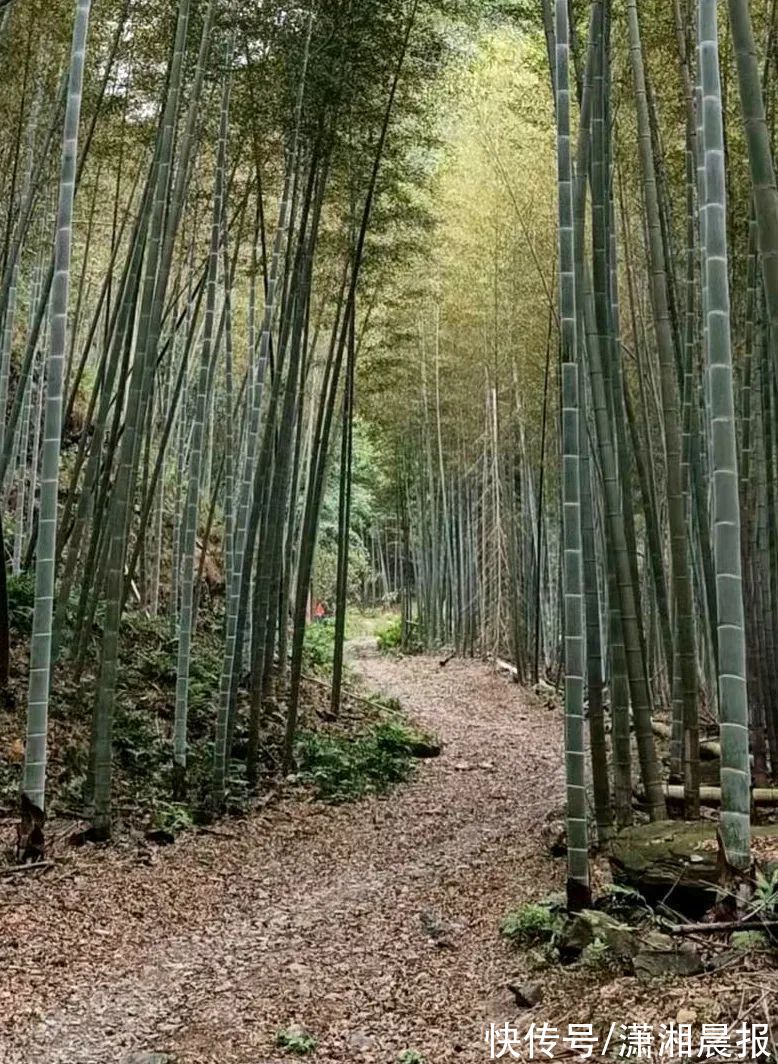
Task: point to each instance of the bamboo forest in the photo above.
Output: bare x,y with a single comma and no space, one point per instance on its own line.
388,531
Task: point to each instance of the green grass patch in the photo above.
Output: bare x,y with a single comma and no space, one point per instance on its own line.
363,623
390,637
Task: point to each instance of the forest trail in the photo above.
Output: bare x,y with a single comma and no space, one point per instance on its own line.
371,925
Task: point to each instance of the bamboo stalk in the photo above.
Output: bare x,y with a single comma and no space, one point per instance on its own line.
712,795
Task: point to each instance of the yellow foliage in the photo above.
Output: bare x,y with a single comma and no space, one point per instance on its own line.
472,313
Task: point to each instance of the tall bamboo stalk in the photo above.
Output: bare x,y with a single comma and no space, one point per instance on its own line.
578,889
733,697
34,783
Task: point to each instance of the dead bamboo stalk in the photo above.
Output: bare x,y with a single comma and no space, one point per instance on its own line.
723,926
712,795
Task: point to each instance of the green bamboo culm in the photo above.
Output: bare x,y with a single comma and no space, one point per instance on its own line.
578,890
668,377
733,697
150,297
208,353
34,781
760,153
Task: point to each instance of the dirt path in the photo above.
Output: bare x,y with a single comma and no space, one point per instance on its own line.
371,925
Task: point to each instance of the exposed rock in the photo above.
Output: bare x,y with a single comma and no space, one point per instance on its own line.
661,955
425,748
674,860
526,995
161,837
589,925
502,1008
361,1041
554,835
439,930
648,953
725,959
149,1058
668,856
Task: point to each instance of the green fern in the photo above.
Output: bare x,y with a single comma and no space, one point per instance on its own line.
531,924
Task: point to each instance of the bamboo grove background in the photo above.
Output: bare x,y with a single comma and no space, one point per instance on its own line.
185,233
621,536
469,309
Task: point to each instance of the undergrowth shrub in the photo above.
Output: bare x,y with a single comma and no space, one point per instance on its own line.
749,940
342,767
295,1041
139,745
204,678
319,646
599,959
173,817
534,924
21,601
390,638
623,903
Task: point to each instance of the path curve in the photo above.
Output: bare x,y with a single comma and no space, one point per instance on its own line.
372,925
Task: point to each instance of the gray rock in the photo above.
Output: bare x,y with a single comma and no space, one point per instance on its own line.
554,834
661,955
361,1041
725,959
439,930
149,1058
425,748
526,995
674,860
502,1008
589,925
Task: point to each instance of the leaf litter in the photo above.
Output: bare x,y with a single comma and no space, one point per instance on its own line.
371,926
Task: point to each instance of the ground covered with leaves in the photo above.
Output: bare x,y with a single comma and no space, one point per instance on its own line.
337,931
